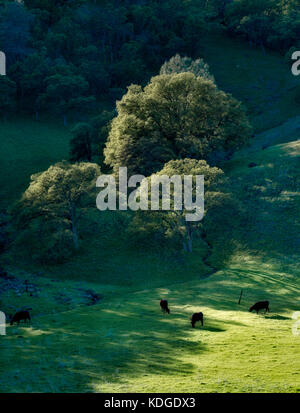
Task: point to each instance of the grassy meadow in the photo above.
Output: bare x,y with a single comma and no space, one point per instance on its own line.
28,147
124,343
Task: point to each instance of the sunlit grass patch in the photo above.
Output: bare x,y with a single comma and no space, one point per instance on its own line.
128,344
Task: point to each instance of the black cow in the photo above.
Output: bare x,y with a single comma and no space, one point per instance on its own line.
19,316
197,317
260,305
164,306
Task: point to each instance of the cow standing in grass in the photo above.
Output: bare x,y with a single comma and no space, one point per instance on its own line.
19,316
197,317
164,306
260,305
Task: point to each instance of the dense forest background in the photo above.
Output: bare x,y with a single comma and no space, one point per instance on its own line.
65,56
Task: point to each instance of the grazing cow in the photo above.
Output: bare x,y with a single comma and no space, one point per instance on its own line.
197,317
20,315
260,305
164,306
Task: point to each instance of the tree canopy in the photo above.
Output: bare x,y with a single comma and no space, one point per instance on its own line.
174,117
8,91
172,224
59,195
108,44
265,23
113,44
178,64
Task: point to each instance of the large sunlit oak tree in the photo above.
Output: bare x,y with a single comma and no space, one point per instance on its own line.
61,194
172,223
174,117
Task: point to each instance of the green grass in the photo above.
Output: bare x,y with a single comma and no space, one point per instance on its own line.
262,81
270,194
27,147
125,344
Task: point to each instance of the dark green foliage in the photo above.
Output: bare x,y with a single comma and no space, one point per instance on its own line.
46,242
111,45
101,127
271,23
297,95
89,139
7,96
65,93
3,231
15,23
81,143
107,45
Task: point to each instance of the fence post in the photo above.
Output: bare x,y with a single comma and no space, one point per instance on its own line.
240,297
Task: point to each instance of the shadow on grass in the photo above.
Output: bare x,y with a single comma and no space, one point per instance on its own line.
98,346
277,317
213,329
128,338
260,285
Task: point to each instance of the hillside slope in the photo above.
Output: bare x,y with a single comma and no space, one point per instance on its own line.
28,147
125,344
262,81
270,193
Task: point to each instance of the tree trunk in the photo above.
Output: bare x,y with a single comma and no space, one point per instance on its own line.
75,237
189,243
